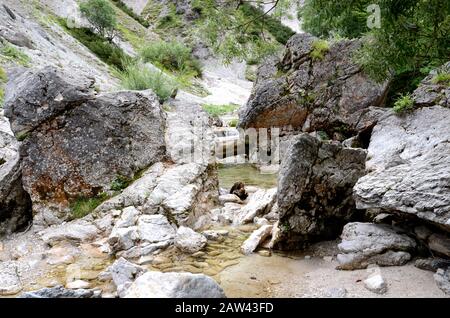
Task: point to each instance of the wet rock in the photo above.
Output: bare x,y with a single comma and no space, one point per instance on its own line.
259,203
215,235
71,142
58,292
174,285
376,284
9,279
315,190
313,95
239,190
366,243
255,239
440,244
189,241
155,228
76,231
401,151
442,278
144,249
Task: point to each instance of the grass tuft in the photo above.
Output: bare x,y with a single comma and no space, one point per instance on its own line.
403,103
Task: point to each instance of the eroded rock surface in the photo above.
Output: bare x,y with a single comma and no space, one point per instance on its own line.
309,94
78,145
366,243
408,160
315,190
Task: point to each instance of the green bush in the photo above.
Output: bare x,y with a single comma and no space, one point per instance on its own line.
274,26
122,6
120,183
101,16
172,56
441,78
10,52
404,103
138,76
108,52
320,48
219,110
83,206
233,122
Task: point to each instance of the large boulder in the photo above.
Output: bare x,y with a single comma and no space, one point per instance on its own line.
315,190
329,93
77,144
364,244
408,164
174,285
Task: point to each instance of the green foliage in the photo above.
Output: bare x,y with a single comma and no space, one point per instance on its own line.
171,20
131,13
441,78
3,80
404,103
320,48
12,53
345,18
102,17
172,56
236,30
233,122
21,136
83,206
120,183
108,52
138,76
273,25
219,110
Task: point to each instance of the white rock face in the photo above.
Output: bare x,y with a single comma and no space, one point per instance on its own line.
366,243
256,238
77,231
376,283
226,198
174,285
259,203
189,241
78,284
128,218
408,157
123,273
123,238
155,228
9,279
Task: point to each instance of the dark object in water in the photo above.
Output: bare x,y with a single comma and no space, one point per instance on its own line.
239,189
